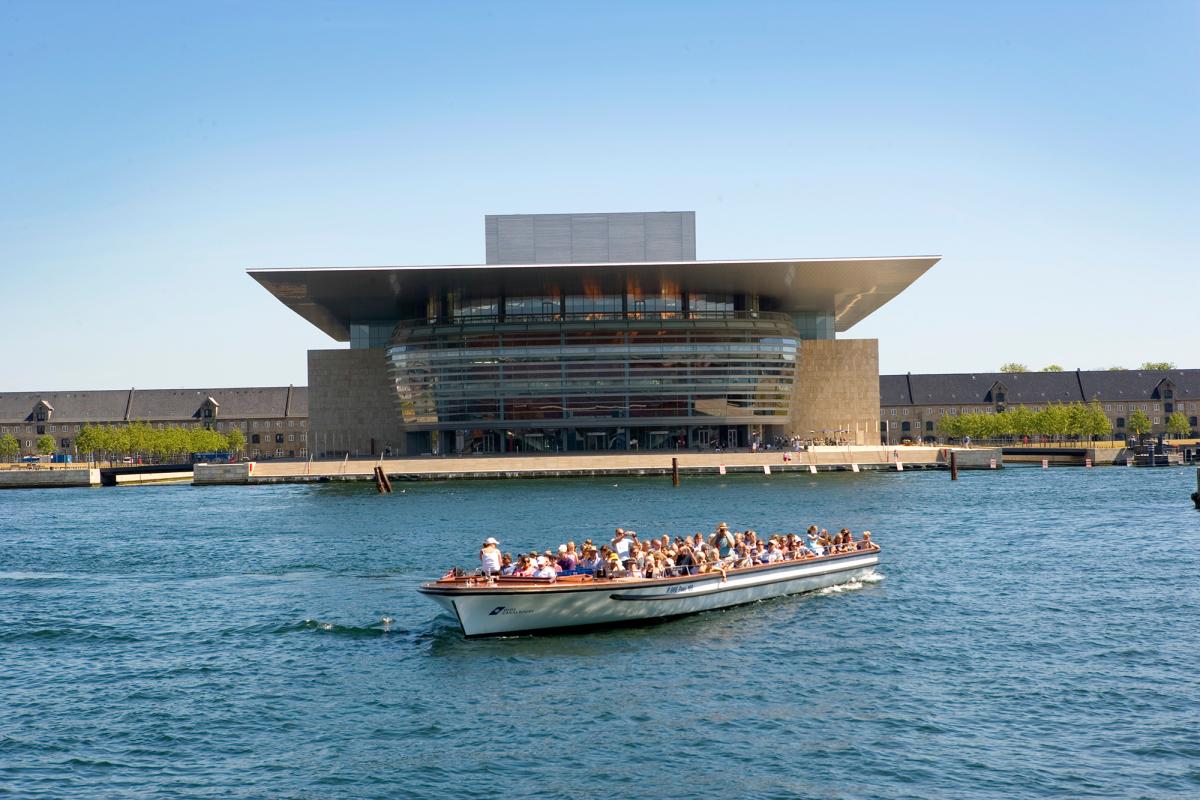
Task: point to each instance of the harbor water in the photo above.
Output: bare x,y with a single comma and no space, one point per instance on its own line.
1029,633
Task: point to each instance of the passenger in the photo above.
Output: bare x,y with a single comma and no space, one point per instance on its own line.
545,569
507,567
866,544
612,566
566,559
588,563
774,553
814,545
489,557
685,561
632,570
620,544
527,568
723,540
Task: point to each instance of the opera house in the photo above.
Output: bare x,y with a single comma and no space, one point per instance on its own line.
591,332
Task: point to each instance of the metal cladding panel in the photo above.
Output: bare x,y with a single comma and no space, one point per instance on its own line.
627,237
515,241
552,238
664,237
590,238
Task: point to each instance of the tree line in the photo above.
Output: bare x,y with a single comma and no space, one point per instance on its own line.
162,444
1056,420
1152,366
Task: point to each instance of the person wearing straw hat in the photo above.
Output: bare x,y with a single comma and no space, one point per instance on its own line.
722,540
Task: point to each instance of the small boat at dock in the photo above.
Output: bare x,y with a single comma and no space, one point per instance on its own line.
509,605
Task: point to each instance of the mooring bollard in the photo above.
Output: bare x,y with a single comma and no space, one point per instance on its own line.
674,471
953,466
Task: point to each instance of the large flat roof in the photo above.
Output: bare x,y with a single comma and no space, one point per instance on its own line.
848,288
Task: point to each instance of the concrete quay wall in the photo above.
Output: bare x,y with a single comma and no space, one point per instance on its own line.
49,478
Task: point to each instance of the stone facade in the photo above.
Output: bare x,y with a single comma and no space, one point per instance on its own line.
837,390
352,404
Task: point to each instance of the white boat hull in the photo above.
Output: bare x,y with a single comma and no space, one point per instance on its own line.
497,610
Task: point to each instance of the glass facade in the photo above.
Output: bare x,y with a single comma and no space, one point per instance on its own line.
594,376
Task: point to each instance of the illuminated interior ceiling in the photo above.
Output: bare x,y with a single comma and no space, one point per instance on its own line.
848,288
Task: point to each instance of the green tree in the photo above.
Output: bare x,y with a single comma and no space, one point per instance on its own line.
1138,423
1098,422
1052,368
10,447
1158,366
1053,420
1013,366
235,441
1078,420
1177,424
1116,369
951,426
45,444
1022,421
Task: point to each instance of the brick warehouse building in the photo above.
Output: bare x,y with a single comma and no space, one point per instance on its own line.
911,405
274,420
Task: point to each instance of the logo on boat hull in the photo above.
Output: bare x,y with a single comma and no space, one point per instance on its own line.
507,610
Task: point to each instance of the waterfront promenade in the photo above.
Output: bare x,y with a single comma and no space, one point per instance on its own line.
817,459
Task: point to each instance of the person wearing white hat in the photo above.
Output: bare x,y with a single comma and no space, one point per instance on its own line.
545,569
489,556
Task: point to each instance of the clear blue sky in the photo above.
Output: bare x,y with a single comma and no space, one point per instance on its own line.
151,152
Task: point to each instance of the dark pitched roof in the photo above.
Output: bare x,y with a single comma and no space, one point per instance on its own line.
1033,387
87,406
1136,384
893,390
167,405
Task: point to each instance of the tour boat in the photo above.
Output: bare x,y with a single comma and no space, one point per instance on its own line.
505,605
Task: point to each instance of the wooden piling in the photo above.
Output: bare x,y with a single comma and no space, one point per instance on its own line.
953,466
382,483
1196,494
674,471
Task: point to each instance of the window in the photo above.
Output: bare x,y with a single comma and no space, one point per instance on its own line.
929,427
254,438
29,443
291,423
1167,407
279,452
65,443
77,428
303,453
41,429
1192,421
905,412
892,412
279,438
1169,394
1154,421
1156,406
905,427
52,429
929,412
1120,422
999,397
278,423
207,413
291,437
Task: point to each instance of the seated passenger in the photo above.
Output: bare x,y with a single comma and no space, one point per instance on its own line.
507,567
545,569
866,544
685,561
632,570
566,559
774,554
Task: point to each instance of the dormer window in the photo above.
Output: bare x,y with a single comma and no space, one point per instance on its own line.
999,397
1169,394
